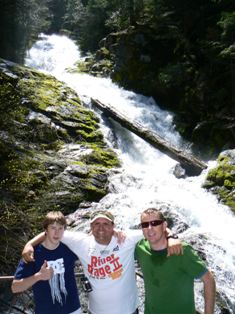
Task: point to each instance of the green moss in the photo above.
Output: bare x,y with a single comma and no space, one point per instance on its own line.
231,204
222,180
229,184
227,197
106,158
40,118
22,174
91,192
87,127
224,172
95,136
46,91
55,146
82,67
104,51
79,163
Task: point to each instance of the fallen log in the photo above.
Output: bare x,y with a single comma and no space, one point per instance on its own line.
192,165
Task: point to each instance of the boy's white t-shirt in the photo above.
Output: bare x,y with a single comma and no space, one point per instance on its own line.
110,270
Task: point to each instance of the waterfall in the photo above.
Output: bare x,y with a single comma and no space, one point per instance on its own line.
146,177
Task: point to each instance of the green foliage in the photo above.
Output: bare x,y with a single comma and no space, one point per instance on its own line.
15,221
90,21
57,9
172,75
227,23
21,21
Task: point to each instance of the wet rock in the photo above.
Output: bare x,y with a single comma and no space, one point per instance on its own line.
53,156
178,171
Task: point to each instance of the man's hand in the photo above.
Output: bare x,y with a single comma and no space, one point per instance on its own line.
28,253
174,247
120,235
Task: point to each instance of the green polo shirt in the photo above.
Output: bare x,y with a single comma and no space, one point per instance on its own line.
169,281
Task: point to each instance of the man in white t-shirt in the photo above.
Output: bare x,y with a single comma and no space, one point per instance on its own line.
108,264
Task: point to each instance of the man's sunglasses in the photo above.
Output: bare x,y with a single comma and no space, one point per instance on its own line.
153,223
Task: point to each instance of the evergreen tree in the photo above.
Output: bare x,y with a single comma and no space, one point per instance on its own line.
20,23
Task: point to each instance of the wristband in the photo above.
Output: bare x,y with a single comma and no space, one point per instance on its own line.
172,236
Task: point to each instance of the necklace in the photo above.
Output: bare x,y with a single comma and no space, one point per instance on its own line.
105,250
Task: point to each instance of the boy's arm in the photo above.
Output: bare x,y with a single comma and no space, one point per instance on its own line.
20,285
28,251
209,292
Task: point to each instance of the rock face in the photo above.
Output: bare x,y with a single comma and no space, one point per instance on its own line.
221,179
53,156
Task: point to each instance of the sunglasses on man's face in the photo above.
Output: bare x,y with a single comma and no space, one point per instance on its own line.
152,223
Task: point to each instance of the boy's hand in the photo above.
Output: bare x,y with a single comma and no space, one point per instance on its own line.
46,272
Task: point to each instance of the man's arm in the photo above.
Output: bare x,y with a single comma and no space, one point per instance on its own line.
70,238
28,250
20,285
209,292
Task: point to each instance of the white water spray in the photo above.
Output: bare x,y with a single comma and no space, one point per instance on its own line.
145,178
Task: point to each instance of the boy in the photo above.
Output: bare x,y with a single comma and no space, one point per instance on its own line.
51,274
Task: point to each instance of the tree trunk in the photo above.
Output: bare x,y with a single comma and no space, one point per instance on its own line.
191,164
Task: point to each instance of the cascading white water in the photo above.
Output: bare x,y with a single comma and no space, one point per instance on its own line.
146,176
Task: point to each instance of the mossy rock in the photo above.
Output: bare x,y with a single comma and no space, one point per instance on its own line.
53,155
221,179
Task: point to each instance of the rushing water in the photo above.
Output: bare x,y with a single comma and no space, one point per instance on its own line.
146,176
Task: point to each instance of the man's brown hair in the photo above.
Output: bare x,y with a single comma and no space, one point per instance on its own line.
153,210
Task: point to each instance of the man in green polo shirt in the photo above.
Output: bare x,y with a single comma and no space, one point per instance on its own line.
169,281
